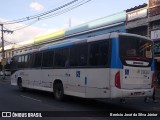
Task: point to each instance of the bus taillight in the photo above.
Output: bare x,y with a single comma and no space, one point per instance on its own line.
153,80
117,80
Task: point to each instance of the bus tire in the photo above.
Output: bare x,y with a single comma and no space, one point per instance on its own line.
19,84
59,91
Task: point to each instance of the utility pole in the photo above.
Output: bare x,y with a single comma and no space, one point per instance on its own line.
149,24
3,54
3,61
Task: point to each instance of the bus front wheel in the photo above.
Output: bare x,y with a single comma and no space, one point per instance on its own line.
19,84
59,91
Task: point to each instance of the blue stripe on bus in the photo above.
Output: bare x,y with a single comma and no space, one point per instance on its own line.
152,66
115,59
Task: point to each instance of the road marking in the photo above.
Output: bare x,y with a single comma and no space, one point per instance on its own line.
30,98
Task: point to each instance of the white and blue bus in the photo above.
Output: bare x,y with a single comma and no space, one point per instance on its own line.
113,65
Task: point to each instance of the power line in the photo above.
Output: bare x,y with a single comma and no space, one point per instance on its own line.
9,42
39,15
65,10
26,25
80,3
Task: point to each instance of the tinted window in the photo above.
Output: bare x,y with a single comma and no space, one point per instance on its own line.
37,60
29,61
14,62
25,58
20,62
78,55
138,50
47,60
98,53
23,62
135,47
61,57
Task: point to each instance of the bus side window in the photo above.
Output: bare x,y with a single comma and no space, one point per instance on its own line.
47,60
19,61
14,63
61,56
31,61
98,53
37,60
78,55
25,61
28,62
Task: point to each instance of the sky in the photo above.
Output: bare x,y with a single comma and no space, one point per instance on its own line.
91,10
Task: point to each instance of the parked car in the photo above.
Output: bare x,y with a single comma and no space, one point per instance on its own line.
7,73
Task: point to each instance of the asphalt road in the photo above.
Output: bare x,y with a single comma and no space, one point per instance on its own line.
11,99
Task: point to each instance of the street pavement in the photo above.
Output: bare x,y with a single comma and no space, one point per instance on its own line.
157,93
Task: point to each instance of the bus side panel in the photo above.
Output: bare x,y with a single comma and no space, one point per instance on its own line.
98,83
76,82
25,78
60,74
47,79
16,75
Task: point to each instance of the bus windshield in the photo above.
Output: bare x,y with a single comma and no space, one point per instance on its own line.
133,48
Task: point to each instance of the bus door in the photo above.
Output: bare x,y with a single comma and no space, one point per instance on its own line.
78,68
98,84
77,81
36,72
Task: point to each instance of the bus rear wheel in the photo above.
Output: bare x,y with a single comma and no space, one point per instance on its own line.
59,91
